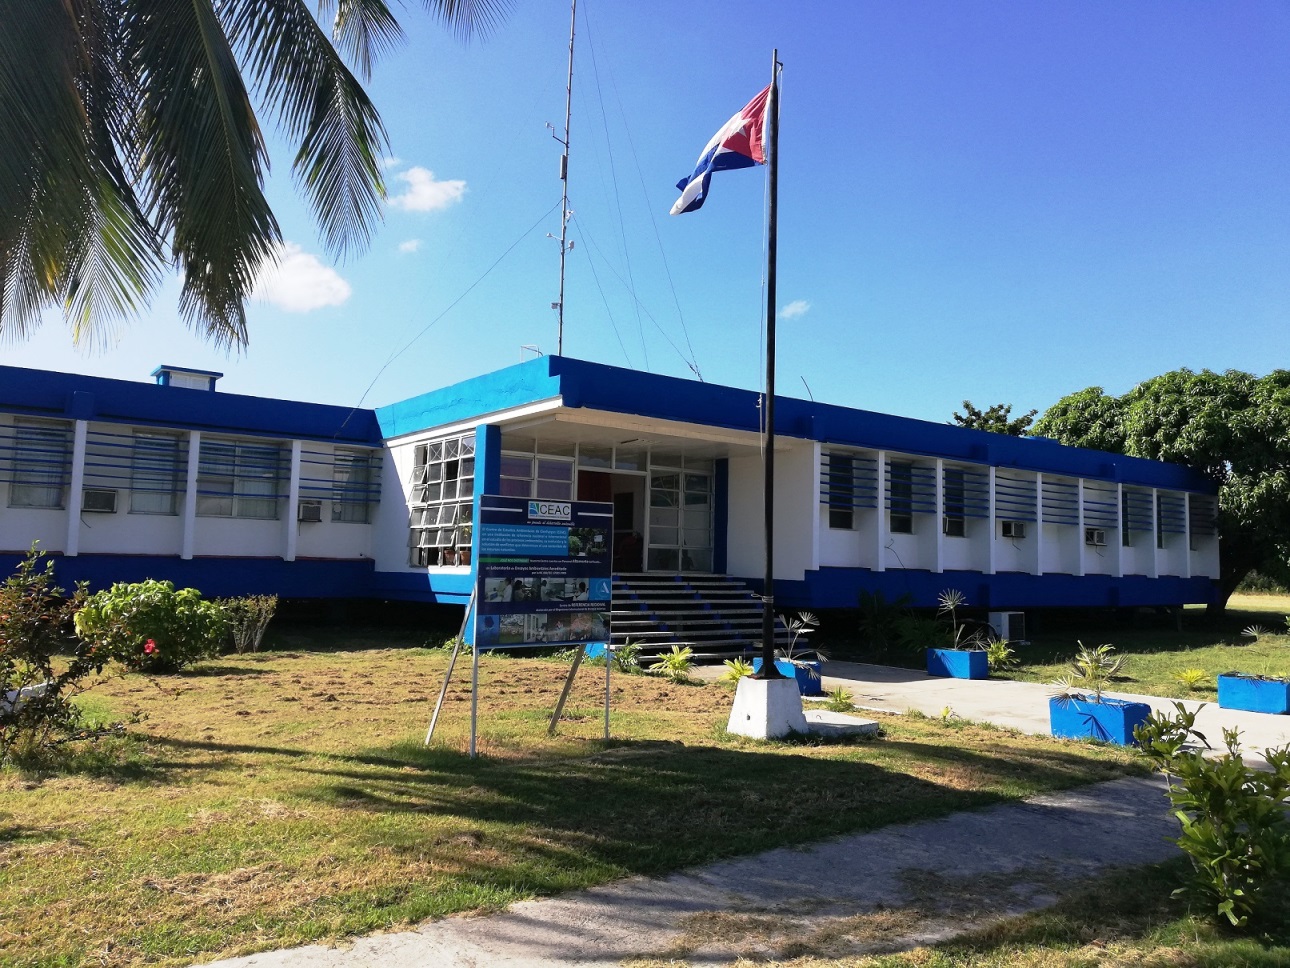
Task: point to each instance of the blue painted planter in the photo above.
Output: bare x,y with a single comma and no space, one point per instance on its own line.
1112,720
1236,691
958,663
807,684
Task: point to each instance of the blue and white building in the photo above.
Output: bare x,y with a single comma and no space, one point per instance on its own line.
237,494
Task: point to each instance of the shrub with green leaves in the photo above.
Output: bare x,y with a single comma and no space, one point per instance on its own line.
248,618
674,665
840,701
1234,823
1194,678
42,664
1000,655
150,627
736,669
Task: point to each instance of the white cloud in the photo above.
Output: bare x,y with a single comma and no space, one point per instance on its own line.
411,245
391,161
424,194
798,307
299,283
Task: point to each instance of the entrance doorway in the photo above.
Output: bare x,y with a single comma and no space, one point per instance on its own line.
627,494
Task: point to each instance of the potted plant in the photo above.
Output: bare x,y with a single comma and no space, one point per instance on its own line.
1252,692
1079,710
965,657
798,662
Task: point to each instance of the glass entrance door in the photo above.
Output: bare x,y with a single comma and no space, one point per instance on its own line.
680,517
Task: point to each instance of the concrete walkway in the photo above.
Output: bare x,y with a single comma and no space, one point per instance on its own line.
896,887
1024,705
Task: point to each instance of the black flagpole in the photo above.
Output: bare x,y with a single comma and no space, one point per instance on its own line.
768,670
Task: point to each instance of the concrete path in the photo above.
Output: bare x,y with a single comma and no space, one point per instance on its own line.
895,887
1024,705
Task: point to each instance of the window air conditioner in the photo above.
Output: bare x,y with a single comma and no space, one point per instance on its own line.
309,512
1012,529
1095,537
98,500
1008,625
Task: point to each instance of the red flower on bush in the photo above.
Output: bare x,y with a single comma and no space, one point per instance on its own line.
149,647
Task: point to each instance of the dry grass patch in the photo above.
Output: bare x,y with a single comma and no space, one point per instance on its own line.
281,798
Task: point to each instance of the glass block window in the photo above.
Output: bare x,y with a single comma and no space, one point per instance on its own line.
155,473
239,479
41,461
443,502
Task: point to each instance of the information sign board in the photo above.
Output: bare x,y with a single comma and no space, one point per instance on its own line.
543,572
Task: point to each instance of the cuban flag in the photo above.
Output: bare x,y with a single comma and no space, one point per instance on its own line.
739,144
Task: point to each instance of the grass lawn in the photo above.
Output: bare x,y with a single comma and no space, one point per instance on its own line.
1129,918
1159,652
285,797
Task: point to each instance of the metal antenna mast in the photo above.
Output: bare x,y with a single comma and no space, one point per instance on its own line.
564,182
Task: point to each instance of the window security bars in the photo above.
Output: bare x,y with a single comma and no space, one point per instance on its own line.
847,482
240,479
350,478
36,460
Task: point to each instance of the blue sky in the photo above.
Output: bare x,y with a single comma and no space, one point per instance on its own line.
1005,202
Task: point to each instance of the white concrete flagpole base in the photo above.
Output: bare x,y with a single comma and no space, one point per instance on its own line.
767,709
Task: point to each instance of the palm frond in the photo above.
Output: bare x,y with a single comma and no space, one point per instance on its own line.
362,29
468,18
205,158
298,73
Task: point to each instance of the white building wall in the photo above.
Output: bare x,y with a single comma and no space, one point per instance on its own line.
796,501
390,527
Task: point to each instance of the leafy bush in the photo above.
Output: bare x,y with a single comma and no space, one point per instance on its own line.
840,701
627,658
248,617
801,656
1194,679
674,665
151,627
917,632
1000,655
1234,824
736,669
880,619
42,665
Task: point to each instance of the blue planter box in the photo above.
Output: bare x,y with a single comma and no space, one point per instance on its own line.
1112,720
1256,695
807,684
958,664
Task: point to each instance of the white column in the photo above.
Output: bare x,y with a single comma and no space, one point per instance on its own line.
1119,530
1155,531
190,494
1079,534
1039,525
817,455
883,531
72,547
992,561
1187,534
293,504
940,516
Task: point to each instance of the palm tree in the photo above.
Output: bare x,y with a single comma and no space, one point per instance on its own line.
129,145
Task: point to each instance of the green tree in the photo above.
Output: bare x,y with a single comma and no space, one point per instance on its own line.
1232,427
997,419
129,145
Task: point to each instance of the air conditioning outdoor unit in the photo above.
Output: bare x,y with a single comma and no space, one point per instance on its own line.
1012,529
1095,537
98,500
1008,625
309,512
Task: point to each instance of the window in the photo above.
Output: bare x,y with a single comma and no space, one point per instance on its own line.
841,482
42,457
955,523
238,480
154,473
549,478
1124,519
901,497
354,486
443,501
